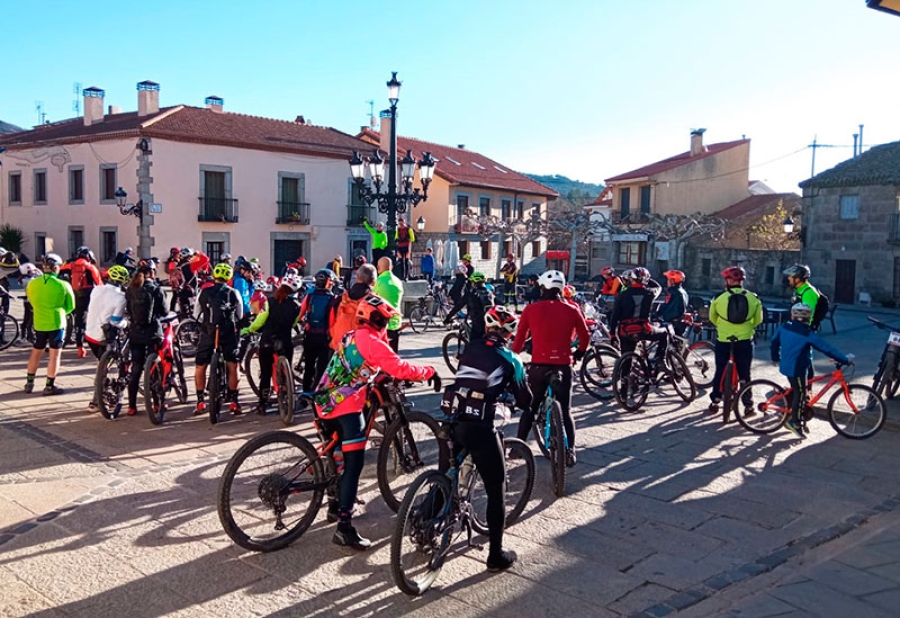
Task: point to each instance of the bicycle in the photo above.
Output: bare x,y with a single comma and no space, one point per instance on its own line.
550,434
634,374
596,370
855,411
729,384
216,381
421,316
886,381
113,374
454,344
284,377
9,326
440,506
294,470
187,333
164,372
699,356
26,328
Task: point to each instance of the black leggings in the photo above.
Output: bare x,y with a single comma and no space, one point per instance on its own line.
266,360
79,318
485,444
539,377
139,353
798,396
351,430
316,354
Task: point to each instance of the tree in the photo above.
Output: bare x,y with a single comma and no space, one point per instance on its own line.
768,231
12,238
486,227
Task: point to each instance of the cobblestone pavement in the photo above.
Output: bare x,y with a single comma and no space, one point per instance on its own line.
668,511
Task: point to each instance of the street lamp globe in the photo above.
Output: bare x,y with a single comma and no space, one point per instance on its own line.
788,225
394,88
420,224
376,168
426,168
356,167
121,196
408,167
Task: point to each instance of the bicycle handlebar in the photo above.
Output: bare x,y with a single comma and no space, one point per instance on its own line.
882,325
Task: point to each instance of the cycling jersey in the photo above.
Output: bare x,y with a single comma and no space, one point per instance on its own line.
476,300
107,307
52,299
792,344
808,295
675,305
551,343
487,369
718,310
244,289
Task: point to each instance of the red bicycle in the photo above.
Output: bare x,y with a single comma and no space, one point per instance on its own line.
164,372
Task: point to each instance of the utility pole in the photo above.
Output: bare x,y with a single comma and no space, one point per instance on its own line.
814,145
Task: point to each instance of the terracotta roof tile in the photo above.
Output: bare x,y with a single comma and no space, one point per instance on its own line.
758,204
878,166
676,161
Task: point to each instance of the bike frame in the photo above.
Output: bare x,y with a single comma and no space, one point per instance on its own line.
546,406
167,352
835,377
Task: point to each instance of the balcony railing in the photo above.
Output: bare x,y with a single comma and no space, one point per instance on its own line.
293,212
465,224
220,209
894,229
357,212
632,217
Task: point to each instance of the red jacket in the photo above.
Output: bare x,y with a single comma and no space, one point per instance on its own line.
552,343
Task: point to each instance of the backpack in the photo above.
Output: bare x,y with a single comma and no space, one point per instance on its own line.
345,319
821,310
82,277
318,305
738,307
222,309
140,306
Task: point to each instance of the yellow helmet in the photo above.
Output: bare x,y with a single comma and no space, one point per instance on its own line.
223,271
117,274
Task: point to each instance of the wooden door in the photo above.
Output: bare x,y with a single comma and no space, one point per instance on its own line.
844,281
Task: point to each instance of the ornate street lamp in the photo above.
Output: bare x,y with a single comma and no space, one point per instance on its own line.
395,198
128,209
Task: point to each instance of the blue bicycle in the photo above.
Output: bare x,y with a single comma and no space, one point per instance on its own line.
550,433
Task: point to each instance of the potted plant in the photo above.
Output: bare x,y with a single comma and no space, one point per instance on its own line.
222,218
294,217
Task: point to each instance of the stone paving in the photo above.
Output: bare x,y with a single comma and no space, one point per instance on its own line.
667,512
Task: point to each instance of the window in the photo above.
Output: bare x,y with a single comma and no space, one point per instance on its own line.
40,186
645,200
216,200
595,253
536,208
484,206
485,249
507,247
76,185
40,244
108,245
355,196
706,267
108,182
632,253
463,247
15,188
76,239
214,250
625,200
849,207
505,209
291,203
535,248
462,205
770,275
520,210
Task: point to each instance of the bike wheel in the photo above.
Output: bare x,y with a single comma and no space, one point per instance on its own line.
251,368
452,347
10,332
409,447
681,377
417,320
631,381
187,333
108,385
519,485
596,372
284,379
858,413
214,386
557,449
728,398
181,390
539,429
700,358
769,404
271,491
420,540
154,390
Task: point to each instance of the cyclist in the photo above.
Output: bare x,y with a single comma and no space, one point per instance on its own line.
476,300
629,319
510,272
467,262
389,286
569,294
552,325
186,283
488,369
735,313
405,238
460,282
612,284
798,279
84,277
791,345
51,299
9,264
676,303
317,309
259,298
242,282
345,315
379,239
350,278
144,305
275,325
218,307
532,290
107,308
126,259
343,392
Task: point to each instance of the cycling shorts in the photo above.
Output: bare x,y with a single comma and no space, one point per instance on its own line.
229,344
52,339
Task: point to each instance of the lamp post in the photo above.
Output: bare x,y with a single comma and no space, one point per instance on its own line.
420,224
392,200
132,209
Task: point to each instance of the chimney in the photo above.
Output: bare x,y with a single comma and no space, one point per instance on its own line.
93,105
113,109
697,146
148,98
386,121
461,146
215,103
300,120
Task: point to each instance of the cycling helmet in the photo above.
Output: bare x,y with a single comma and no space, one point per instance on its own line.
359,260
375,311
186,252
461,269
174,250
510,256
52,259
29,270
225,257
128,249
735,273
302,262
608,271
477,277
260,286
292,281
800,271
627,275
117,274
83,252
552,279
502,319
569,291
467,258
675,276
272,280
801,312
223,271
641,275
323,277
291,271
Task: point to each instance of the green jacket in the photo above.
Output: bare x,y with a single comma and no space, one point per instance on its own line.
379,239
808,295
718,310
390,288
52,299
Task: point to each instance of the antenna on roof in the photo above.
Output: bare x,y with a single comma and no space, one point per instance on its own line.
39,108
76,102
371,113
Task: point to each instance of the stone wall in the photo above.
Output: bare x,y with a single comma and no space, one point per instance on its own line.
764,268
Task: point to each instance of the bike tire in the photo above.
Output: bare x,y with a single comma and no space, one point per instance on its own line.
596,372
417,321
214,387
770,405
237,500
181,389
10,334
518,488
539,429
700,358
632,387
251,368
681,377
107,392
187,333
284,379
728,393
154,390
849,420
557,449
452,347
410,446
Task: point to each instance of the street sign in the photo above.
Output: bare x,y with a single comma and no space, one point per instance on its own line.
155,209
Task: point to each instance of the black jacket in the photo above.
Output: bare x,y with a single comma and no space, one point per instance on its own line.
675,305
489,368
632,303
144,307
476,300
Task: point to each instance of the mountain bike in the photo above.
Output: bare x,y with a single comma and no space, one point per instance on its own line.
9,326
596,370
251,368
454,344
113,373
439,506
855,411
887,377
729,385
421,317
163,373
550,433
188,330
635,374
216,381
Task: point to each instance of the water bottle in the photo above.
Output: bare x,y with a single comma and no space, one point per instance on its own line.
465,470
338,457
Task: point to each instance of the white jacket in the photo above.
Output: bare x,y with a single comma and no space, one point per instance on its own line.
107,306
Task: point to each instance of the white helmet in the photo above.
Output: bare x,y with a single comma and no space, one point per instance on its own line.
292,281
552,279
801,312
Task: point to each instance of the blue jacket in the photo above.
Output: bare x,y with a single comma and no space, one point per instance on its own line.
792,344
244,290
428,264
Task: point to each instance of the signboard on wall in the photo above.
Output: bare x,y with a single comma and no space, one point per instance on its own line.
663,249
629,237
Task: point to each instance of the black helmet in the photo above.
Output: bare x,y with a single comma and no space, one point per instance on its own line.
800,271
323,277
83,252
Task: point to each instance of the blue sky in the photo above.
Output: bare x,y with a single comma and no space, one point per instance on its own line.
588,89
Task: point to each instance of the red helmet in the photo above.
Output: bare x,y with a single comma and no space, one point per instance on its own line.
609,271
510,256
675,276
735,273
271,280
174,250
301,261
375,311
641,275
502,319
569,291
